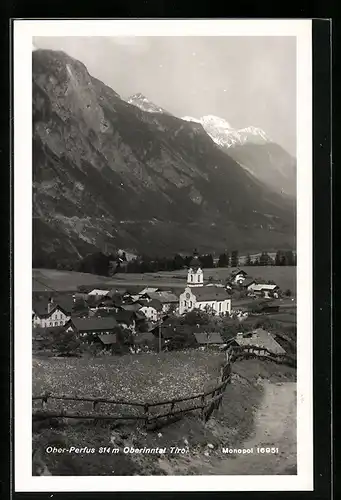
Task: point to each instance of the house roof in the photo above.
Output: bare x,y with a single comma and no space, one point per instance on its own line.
97,291
40,306
94,324
260,338
265,286
247,282
238,271
208,338
155,304
210,293
132,307
109,338
124,316
148,290
164,297
195,262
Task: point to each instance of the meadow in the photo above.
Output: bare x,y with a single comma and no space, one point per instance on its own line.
142,377
45,279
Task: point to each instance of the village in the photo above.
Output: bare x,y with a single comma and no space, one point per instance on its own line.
206,314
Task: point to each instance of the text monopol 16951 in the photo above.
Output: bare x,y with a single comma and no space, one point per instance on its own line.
257,450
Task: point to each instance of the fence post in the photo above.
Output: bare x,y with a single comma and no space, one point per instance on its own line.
203,406
146,411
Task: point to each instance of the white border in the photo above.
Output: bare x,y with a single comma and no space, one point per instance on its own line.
24,30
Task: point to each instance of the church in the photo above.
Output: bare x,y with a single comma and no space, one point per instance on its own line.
213,299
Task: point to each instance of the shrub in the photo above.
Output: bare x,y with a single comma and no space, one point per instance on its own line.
65,343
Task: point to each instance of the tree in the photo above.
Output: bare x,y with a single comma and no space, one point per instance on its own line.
264,259
196,317
178,262
96,263
235,258
248,261
223,260
207,261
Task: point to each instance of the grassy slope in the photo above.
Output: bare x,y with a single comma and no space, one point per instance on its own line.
285,277
231,426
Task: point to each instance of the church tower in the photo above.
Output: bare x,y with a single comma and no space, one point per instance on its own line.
195,276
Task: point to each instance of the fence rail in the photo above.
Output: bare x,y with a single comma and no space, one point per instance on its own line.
209,400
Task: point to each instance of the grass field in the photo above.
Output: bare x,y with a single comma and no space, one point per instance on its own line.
142,377
44,279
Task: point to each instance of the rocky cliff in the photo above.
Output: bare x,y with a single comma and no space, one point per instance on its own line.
107,174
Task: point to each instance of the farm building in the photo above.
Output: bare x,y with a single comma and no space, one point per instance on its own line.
49,313
92,326
264,289
259,338
197,296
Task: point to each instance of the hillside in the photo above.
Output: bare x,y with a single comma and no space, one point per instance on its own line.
107,174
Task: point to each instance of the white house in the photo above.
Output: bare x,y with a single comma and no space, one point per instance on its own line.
49,315
213,299
152,310
238,276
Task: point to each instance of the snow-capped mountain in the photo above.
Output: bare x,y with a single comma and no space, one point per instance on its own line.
145,104
226,136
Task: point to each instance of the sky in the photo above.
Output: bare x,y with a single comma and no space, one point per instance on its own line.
248,81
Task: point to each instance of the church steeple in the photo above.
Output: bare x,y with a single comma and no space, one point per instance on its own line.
195,276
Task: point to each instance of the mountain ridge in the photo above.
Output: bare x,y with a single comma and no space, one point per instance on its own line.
107,174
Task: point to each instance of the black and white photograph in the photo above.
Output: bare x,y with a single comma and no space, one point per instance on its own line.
163,182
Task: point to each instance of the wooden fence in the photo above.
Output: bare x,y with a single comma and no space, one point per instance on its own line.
155,414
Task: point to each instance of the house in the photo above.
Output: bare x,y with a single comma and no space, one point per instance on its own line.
264,290
166,298
247,282
205,338
238,276
152,309
136,306
48,313
98,293
259,338
126,319
91,327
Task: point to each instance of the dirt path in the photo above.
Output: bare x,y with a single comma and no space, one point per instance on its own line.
275,426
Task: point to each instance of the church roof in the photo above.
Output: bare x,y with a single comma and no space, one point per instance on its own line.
195,262
208,293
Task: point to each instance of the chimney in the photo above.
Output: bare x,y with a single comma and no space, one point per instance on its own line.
50,305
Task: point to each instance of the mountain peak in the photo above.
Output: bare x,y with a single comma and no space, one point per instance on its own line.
141,101
223,134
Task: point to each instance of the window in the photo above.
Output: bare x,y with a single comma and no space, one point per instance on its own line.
219,306
191,277
185,303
